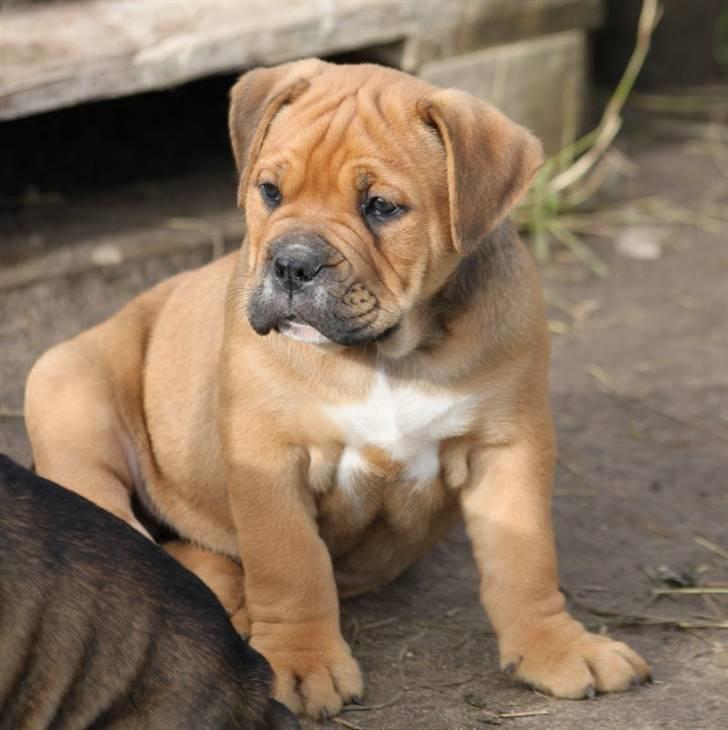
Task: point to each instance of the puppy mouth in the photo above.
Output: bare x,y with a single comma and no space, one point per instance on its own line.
301,332
312,322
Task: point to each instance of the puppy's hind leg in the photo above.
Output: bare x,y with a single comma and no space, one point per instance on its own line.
76,433
222,575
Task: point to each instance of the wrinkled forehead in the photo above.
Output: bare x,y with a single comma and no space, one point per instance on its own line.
354,122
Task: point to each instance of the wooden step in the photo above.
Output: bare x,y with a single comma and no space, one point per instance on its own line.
62,53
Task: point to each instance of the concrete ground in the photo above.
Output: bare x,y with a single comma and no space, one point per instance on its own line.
640,391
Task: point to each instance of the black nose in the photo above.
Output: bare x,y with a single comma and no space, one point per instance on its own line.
296,264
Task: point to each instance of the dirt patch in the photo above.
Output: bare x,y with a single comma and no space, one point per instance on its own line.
640,390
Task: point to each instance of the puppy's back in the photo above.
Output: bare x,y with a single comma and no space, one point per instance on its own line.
99,628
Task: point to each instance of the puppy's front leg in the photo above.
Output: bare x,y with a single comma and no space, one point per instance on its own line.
508,518
290,592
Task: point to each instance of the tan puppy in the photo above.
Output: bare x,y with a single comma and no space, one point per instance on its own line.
324,404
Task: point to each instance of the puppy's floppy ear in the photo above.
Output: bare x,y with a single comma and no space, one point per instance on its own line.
491,161
255,99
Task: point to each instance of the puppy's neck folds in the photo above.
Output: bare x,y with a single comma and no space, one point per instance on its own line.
477,293
408,337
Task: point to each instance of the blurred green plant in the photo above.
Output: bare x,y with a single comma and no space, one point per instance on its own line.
571,177
562,204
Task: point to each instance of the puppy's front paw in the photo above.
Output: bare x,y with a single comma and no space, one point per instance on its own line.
563,658
312,677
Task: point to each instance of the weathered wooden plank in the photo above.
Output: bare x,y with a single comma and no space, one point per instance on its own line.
67,52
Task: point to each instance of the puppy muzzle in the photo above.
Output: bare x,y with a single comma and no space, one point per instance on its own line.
306,293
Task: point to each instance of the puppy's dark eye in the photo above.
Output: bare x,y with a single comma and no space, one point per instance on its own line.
381,208
270,193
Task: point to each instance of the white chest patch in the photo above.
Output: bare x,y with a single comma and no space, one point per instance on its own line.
406,422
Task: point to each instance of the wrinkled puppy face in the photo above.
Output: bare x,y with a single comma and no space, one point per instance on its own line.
350,190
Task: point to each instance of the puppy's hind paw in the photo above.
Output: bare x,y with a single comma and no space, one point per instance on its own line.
575,664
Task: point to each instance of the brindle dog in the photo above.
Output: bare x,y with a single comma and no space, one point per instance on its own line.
101,629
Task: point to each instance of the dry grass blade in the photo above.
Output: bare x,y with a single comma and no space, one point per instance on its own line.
614,618
525,713
699,101
607,132
691,591
709,216
369,708
10,412
344,723
379,624
709,545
